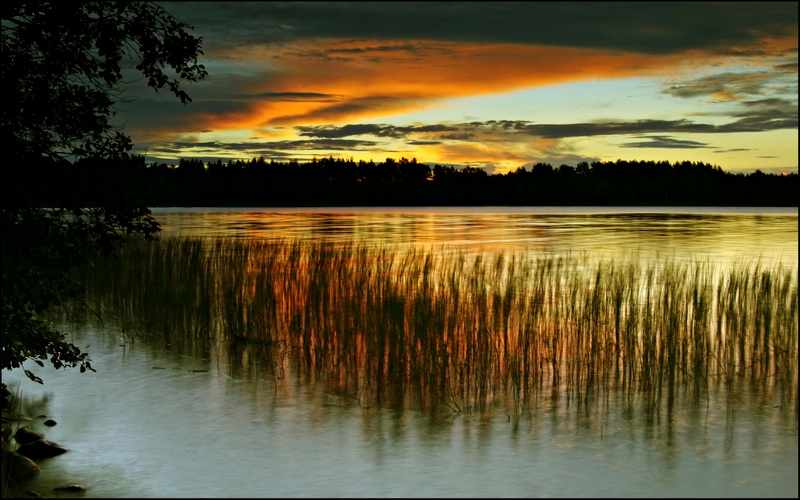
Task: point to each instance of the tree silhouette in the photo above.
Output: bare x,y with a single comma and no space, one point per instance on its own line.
403,182
62,69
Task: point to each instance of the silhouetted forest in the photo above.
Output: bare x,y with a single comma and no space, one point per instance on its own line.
336,181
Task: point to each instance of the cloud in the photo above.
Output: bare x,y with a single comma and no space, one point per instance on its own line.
643,27
378,130
729,86
409,77
764,114
517,140
289,64
758,120
300,78
292,145
338,92
290,97
733,150
660,141
788,67
722,86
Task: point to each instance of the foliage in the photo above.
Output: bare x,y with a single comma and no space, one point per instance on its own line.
62,70
62,75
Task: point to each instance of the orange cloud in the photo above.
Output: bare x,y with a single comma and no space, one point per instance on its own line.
485,153
368,81
338,82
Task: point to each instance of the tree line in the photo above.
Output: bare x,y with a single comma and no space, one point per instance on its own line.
403,182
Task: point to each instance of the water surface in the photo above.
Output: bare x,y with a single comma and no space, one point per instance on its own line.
155,421
716,233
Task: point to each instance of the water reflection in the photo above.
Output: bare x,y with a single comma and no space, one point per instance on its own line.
186,410
713,233
177,432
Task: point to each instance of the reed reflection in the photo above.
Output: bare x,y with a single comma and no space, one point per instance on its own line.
486,333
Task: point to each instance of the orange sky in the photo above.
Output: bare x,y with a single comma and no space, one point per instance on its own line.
399,81
290,85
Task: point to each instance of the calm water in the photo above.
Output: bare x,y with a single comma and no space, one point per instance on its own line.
719,234
154,421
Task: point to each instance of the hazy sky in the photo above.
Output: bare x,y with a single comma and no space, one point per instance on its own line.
496,85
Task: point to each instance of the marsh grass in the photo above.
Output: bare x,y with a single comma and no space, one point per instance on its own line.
12,419
390,325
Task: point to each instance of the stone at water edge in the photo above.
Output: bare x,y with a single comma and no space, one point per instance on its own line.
73,487
19,466
25,435
41,449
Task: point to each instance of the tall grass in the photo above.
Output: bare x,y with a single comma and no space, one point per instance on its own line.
391,325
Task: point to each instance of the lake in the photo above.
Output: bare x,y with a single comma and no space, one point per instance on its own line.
159,420
719,233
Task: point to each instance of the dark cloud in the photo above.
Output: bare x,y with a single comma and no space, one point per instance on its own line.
291,96
660,141
144,115
732,85
758,121
762,118
469,131
375,48
328,131
711,85
382,130
758,115
167,156
291,145
646,27
788,68
771,103
764,114
353,106
560,131
324,145
161,149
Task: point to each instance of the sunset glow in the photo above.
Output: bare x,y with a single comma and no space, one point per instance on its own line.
481,86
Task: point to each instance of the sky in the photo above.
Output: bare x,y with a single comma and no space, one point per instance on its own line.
495,85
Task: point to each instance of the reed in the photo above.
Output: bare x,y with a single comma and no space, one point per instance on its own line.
391,325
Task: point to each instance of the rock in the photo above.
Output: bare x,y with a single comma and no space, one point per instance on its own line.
77,488
41,449
25,435
50,422
19,467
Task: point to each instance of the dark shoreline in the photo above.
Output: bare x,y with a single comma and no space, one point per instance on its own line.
404,183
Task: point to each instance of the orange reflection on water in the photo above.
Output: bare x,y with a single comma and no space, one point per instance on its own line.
719,234
470,331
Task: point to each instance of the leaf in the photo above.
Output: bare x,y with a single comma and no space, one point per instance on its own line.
64,97
33,377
